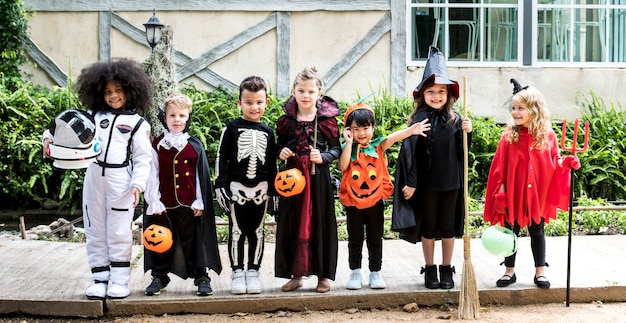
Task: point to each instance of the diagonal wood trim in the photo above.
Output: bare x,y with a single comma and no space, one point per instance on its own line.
227,47
361,48
179,58
44,62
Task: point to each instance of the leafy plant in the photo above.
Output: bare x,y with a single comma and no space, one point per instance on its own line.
14,33
604,164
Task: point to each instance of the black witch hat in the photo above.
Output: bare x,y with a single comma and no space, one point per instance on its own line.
517,86
437,71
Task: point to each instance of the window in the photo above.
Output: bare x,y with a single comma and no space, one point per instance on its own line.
496,32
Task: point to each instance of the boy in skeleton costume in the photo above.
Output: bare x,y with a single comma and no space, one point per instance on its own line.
246,167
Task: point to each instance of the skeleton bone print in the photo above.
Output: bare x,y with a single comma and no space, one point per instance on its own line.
251,144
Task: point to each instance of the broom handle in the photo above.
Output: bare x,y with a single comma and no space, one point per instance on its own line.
314,144
465,159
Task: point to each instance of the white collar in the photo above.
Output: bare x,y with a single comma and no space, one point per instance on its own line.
177,140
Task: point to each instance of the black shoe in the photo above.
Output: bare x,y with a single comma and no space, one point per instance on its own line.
506,282
542,283
445,273
430,278
157,285
204,286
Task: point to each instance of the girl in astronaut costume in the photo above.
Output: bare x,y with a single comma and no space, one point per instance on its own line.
116,94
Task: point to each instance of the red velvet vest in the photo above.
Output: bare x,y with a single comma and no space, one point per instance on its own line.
177,176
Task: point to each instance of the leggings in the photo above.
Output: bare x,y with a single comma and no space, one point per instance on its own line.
365,224
437,210
537,244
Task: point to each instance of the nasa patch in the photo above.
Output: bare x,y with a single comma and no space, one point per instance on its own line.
104,123
124,128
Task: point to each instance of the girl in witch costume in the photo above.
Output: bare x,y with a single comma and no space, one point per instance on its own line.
306,232
528,180
116,94
429,173
365,184
245,169
179,195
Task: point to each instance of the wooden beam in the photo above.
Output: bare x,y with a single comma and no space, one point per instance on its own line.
208,5
398,49
361,48
227,47
179,58
45,63
104,35
283,57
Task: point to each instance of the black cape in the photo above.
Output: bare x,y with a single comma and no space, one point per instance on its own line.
206,249
404,219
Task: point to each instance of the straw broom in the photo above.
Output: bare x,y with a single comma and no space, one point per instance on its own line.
469,305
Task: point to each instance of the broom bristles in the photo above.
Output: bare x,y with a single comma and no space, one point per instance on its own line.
469,304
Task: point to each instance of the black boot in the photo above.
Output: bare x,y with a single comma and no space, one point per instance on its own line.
430,279
445,273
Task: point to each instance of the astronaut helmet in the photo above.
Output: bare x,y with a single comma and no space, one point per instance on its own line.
74,141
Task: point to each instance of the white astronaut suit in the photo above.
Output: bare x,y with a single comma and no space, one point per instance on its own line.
107,200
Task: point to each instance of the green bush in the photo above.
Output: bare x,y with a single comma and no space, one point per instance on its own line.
13,32
604,164
26,113
29,181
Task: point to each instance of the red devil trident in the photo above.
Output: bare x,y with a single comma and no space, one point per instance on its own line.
574,151
573,148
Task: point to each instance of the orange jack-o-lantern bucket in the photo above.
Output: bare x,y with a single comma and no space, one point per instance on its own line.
157,238
289,182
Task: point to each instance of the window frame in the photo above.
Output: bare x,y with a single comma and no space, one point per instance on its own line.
527,54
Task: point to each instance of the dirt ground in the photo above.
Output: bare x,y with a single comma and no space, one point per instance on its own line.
553,313
593,313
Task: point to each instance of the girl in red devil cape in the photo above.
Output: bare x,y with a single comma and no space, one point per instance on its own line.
528,180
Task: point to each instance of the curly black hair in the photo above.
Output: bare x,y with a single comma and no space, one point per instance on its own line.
137,85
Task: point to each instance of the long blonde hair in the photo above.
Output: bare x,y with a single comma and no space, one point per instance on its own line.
539,125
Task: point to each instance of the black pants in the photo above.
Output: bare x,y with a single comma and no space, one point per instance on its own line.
537,244
365,224
437,210
246,223
182,223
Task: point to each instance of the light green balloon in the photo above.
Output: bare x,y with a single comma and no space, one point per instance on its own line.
499,241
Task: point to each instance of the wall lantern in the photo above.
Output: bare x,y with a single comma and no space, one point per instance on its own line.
154,30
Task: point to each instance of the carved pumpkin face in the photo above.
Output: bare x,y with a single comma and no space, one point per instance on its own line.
157,238
289,182
365,183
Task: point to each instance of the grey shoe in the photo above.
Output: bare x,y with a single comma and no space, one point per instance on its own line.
253,284
355,281
238,284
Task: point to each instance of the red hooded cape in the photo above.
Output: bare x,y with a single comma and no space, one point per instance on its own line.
535,184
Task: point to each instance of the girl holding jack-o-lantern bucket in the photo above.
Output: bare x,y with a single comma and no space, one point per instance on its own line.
306,231
364,185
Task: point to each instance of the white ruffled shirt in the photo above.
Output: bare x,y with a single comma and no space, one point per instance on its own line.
178,141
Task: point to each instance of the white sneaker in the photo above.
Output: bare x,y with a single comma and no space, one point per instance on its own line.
238,284
376,280
253,284
118,291
356,280
97,291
